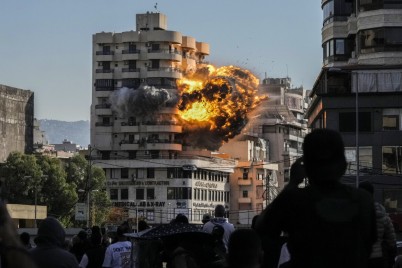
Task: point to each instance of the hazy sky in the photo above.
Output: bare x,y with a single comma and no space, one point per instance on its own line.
45,45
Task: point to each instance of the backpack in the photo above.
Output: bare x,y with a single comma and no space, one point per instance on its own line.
217,233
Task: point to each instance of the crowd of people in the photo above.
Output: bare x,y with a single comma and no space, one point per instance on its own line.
324,224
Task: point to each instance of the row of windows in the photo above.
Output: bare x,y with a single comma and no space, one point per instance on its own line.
380,39
173,193
139,194
172,173
391,120
211,195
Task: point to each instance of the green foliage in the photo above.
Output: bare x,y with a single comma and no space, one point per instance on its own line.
57,185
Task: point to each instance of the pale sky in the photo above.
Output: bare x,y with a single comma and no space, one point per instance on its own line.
45,45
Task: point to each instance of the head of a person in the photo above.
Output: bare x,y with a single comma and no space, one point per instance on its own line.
254,221
121,230
220,211
181,218
206,218
244,249
367,186
142,225
51,231
25,238
96,235
324,157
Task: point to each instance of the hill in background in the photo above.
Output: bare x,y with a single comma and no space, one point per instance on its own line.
57,131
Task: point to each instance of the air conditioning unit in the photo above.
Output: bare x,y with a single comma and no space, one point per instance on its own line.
146,64
142,80
146,152
147,44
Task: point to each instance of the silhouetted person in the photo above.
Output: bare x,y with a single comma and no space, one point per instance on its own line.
221,221
79,245
26,240
386,238
49,242
245,249
328,223
206,218
181,218
94,256
142,225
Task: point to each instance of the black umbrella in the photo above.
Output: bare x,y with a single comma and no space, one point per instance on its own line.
173,229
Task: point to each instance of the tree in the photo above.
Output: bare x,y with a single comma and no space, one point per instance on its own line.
59,195
25,174
91,180
21,175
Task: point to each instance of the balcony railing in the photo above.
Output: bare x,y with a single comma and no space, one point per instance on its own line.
104,52
102,124
165,69
103,106
130,70
131,51
104,70
104,88
166,51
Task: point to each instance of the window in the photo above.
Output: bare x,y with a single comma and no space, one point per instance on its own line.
390,122
150,193
114,194
124,173
347,121
150,173
392,159
139,194
178,193
380,40
365,160
124,194
245,194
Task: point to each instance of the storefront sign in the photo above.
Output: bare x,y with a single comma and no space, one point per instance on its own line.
148,204
203,205
208,185
138,183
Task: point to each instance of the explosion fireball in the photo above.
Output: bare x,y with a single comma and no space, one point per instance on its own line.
213,103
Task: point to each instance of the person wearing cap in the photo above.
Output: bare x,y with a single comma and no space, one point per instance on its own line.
329,224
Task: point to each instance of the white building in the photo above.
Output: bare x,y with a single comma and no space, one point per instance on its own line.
135,134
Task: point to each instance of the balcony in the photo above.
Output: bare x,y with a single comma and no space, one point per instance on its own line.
170,72
102,124
104,55
143,145
130,54
244,200
103,106
104,71
166,54
104,88
130,73
242,181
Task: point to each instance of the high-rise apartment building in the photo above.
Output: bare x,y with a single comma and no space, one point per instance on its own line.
358,91
136,136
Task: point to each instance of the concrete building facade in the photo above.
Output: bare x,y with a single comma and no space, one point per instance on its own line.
280,121
150,172
254,180
358,91
16,121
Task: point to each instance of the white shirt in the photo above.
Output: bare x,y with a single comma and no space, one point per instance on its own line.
118,255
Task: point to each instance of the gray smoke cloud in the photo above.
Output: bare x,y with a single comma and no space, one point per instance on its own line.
145,100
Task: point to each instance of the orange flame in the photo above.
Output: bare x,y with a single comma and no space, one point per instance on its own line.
218,99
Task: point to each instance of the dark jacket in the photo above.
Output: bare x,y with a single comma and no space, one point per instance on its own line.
49,252
326,227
